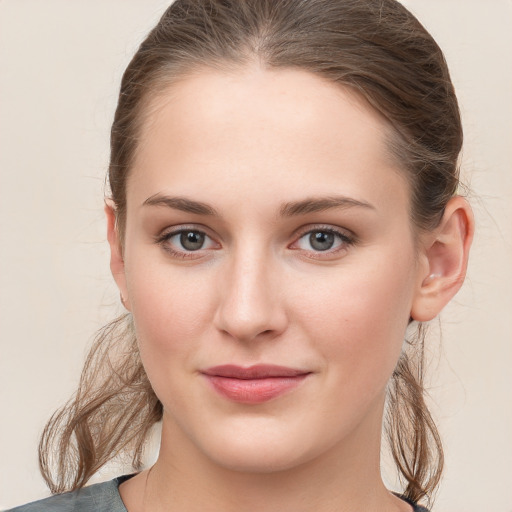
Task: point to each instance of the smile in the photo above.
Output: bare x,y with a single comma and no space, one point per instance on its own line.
255,384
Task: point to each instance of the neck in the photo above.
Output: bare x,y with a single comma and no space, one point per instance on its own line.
344,478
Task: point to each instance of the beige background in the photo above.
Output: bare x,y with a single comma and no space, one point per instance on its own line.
60,67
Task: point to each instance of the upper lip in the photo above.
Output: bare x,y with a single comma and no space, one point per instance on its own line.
259,371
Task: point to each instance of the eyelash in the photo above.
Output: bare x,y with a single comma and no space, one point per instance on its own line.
163,241
346,241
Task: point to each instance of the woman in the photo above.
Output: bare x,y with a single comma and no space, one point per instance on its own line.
283,215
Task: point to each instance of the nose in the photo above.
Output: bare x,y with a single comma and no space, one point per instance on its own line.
251,304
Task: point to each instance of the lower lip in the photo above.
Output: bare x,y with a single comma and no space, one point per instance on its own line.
254,391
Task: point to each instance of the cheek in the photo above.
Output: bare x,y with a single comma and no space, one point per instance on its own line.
359,318
171,310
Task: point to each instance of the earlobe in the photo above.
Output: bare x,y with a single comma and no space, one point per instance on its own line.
446,250
116,253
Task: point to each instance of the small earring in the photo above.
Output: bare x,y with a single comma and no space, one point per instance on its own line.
431,277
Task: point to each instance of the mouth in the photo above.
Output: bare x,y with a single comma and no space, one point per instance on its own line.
254,384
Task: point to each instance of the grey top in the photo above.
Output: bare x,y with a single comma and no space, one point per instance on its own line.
102,497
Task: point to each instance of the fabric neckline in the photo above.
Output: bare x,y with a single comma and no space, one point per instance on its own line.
120,479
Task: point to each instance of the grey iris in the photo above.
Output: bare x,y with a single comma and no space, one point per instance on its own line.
321,241
192,240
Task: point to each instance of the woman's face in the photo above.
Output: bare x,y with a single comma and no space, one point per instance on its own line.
267,225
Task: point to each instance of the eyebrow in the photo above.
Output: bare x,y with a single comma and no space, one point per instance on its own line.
320,204
181,203
290,209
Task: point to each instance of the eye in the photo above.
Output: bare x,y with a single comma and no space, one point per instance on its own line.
323,240
190,240
183,242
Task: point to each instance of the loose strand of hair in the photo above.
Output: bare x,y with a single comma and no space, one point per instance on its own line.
413,436
111,413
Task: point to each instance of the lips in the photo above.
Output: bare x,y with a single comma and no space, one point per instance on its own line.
254,384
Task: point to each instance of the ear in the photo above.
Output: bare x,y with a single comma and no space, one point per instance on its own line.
446,252
116,253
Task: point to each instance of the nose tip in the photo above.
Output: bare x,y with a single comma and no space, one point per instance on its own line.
250,305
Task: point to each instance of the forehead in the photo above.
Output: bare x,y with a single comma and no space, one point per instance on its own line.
284,129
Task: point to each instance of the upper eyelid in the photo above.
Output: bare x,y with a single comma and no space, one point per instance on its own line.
325,227
174,230
345,238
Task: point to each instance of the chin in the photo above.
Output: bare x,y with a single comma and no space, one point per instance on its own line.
262,449
254,459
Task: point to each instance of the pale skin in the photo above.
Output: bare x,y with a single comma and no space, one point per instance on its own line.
252,144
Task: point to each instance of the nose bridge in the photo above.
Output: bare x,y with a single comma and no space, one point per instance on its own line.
250,303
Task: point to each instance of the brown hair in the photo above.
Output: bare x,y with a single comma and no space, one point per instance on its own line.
375,47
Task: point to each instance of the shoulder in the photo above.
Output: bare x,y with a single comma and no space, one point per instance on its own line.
415,506
103,497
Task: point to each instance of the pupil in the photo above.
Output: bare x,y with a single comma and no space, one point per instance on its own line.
191,240
321,241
